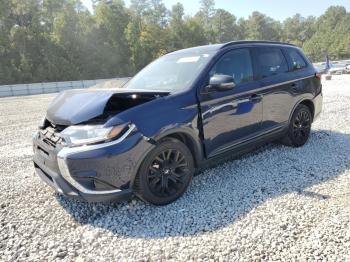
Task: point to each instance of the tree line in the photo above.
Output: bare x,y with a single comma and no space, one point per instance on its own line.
59,40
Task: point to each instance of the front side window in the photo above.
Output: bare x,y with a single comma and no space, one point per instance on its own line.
270,61
236,63
296,59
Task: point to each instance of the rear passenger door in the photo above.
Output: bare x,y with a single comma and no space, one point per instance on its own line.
271,70
303,73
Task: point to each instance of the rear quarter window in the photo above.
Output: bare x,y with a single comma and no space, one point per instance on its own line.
269,61
296,59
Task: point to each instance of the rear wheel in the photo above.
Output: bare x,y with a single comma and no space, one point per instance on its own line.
165,173
299,127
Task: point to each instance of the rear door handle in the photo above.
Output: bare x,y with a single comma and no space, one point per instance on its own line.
255,98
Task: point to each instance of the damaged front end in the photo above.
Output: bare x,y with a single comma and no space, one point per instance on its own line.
95,106
77,154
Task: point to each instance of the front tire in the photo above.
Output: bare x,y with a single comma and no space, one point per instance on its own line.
165,173
299,127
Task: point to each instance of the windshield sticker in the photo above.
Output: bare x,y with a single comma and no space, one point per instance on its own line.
190,59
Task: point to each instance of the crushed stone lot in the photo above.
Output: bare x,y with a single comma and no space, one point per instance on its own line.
277,203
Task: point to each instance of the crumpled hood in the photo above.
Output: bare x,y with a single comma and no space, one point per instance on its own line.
76,106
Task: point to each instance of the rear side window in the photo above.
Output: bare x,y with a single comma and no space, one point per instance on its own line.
236,63
269,61
296,59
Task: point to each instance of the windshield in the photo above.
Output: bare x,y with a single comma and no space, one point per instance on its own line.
173,72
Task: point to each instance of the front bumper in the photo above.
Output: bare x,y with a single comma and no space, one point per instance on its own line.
96,173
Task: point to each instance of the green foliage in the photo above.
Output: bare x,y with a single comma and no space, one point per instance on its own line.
298,29
332,35
51,40
261,27
225,28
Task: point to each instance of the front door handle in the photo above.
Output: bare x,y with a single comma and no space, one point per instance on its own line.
255,98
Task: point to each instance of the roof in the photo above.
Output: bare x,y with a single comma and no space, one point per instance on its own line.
216,47
254,42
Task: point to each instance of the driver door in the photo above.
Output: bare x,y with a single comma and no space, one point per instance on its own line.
234,116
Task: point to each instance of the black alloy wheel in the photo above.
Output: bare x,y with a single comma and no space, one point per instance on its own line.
300,127
165,173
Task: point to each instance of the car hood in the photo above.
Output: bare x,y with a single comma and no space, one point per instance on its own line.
77,106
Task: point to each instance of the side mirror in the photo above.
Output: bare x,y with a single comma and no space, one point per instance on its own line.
221,83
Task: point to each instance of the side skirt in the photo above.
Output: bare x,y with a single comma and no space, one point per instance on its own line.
241,149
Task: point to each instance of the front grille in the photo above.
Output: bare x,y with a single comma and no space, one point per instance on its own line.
57,128
50,134
50,137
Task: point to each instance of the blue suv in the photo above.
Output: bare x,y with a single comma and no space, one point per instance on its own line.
185,110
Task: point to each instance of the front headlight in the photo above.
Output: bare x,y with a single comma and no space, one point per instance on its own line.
90,134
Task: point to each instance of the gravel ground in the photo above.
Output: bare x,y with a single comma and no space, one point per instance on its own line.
274,204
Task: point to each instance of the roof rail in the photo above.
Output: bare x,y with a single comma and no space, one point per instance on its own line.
254,42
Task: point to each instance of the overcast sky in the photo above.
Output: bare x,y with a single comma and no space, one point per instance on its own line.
277,9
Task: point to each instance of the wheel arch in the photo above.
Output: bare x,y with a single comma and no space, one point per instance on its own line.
307,102
187,137
192,144
310,105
